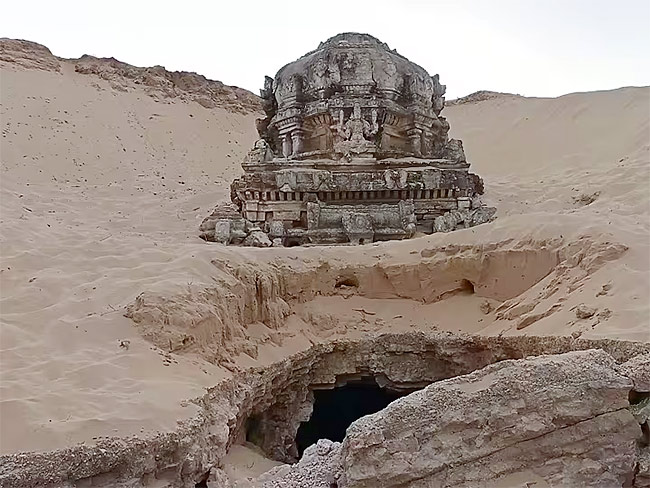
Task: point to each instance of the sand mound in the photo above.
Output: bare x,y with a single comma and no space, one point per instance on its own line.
107,171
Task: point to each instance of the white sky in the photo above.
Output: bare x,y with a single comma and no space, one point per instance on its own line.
530,47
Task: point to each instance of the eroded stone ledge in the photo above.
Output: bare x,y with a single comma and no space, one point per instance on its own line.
211,320
556,420
184,456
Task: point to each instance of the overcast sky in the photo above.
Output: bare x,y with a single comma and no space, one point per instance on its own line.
530,47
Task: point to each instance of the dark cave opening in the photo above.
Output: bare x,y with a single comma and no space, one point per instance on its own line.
203,482
347,281
639,401
467,287
335,409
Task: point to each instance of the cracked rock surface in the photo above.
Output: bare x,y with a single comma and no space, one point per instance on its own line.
557,420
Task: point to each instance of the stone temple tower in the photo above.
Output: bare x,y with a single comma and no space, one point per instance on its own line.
353,149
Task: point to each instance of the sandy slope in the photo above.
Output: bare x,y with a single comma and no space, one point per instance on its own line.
104,184
97,186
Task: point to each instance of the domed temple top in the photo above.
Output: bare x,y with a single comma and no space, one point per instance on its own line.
310,105
353,149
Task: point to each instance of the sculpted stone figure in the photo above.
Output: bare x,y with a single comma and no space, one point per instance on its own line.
267,92
355,134
353,148
319,74
395,178
260,153
437,97
357,129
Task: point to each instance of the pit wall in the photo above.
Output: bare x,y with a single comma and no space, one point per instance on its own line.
212,321
184,457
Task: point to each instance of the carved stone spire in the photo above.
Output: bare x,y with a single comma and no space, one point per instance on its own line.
354,149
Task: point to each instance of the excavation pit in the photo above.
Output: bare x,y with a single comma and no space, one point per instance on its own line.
317,395
268,404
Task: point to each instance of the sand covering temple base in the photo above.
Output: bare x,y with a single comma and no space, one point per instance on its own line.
353,149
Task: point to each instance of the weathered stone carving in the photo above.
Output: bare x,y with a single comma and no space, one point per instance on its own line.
354,128
355,134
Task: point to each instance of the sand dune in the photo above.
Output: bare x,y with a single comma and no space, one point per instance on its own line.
105,180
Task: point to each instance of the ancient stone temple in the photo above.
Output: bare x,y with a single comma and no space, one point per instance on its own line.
353,149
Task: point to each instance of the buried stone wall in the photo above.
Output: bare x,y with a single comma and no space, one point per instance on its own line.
184,457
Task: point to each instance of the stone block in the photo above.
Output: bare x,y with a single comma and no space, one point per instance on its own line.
222,231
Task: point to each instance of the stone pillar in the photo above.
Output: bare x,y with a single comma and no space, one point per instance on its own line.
296,141
286,145
427,144
415,136
313,215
